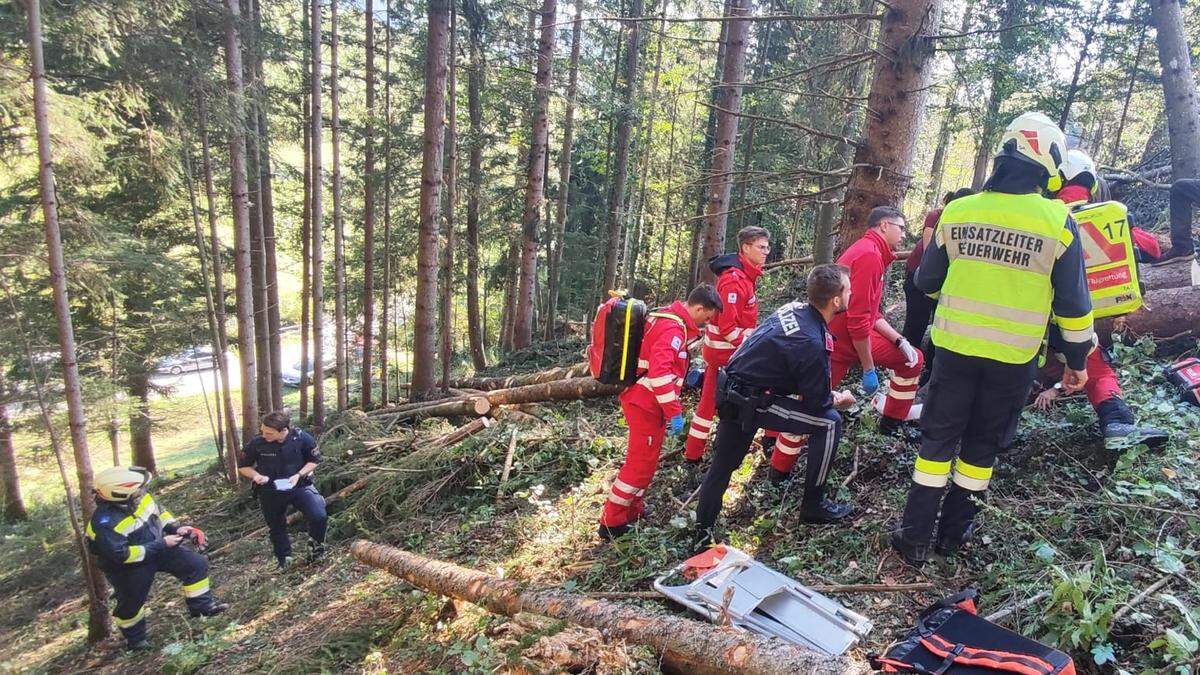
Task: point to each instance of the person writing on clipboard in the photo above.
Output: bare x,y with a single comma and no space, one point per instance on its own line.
280,462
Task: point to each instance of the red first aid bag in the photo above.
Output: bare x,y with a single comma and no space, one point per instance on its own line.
1185,374
617,340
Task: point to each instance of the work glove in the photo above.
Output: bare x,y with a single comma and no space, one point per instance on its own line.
676,425
911,355
195,534
870,382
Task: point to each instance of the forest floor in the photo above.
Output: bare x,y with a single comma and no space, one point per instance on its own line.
1089,527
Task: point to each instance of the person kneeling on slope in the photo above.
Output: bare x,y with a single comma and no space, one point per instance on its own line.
135,539
779,381
652,405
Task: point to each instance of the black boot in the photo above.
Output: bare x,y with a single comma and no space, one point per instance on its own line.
819,509
1118,435
768,446
915,555
702,540
316,550
213,608
608,533
778,477
949,545
142,645
890,426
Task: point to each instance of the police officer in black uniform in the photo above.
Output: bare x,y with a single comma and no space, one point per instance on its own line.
779,380
134,539
280,461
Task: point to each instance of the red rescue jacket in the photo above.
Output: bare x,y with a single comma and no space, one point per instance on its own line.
663,361
868,260
736,279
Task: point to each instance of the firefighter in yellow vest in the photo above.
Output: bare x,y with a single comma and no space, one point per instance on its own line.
1004,263
134,539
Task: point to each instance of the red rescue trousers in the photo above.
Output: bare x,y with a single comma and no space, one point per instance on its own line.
646,432
1102,381
704,417
903,387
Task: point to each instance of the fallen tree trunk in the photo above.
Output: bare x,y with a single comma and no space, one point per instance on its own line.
562,390
493,383
808,260
701,647
1174,274
1169,315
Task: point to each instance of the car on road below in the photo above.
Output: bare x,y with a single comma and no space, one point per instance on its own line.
187,360
291,374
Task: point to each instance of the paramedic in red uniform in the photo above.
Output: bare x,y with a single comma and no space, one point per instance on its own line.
737,274
652,405
863,337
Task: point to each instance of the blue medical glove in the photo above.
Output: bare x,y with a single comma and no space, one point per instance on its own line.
870,382
676,424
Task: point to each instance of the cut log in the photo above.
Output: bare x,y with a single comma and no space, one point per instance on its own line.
562,390
1174,274
1169,315
702,647
493,383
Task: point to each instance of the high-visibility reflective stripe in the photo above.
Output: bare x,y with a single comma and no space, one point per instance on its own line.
733,334
126,525
628,489
1065,238
929,479
902,395
904,381
90,531
146,507
789,447
660,380
702,434
972,471
700,421
197,589
716,344
1074,322
1023,342
131,621
932,467
612,497
643,363
665,398
136,554
992,309
167,518
968,483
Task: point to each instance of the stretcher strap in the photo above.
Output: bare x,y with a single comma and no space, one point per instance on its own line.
996,660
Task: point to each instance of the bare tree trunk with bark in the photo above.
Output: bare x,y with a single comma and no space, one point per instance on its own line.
306,249
884,157
625,121
554,264
98,621
430,201
447,289
729,106
386,296
1114,156
318,230
339,230
14,505
475,83
368,291
696,251
140,423
1179,88
241,219
535,183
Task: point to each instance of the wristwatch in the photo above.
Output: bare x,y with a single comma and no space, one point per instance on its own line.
898,340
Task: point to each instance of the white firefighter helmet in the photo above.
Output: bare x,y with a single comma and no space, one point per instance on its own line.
1035,138
118,483
1078,163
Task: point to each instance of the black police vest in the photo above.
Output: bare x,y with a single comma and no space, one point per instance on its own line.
280,460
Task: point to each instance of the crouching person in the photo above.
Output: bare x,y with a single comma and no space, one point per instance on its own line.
779,381
135,539
652,406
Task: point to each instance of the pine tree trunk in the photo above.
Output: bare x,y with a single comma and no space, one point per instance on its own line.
1115,155
447,288
258,258
535,184
368,290
141,424
475,83
318,230
696,251
634,241
267,195
218,344
883,159
241,219
218,266
14,505
1179,88
554,266
938,170
626,117
425,321
509,312
339,255
729,105
1073,89
306,245
386,299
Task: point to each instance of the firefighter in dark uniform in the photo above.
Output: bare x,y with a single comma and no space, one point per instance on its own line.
779,380
134,539
1005,263
280,461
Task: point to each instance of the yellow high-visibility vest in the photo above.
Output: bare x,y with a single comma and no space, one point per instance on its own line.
995,301
1109,258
